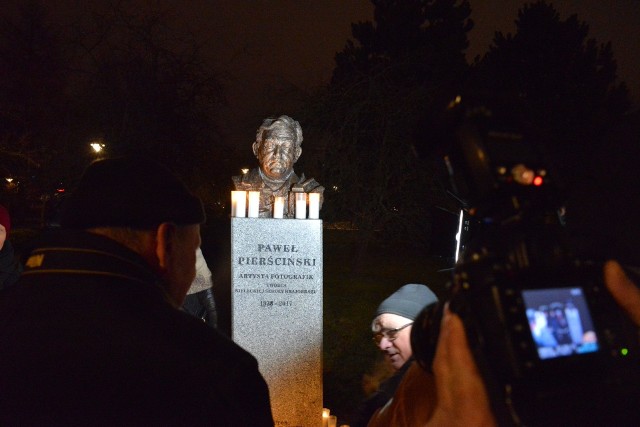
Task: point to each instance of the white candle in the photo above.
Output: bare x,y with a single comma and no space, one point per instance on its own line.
301,205
238,204
325,417
254,204
278,207
314,205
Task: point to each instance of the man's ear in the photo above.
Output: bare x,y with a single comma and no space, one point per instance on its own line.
298,153
165,244
256,148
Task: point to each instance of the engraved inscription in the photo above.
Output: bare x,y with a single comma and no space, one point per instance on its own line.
277,248
276,303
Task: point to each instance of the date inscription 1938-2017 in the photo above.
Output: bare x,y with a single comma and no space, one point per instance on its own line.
276,303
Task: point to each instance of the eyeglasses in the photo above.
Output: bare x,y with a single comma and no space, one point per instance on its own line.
389,334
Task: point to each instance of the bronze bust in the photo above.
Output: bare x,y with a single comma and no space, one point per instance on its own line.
277,147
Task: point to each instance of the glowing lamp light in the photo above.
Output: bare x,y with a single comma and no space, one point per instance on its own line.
537,181
624,351
522,174
97,147
9,180
456,101
244,171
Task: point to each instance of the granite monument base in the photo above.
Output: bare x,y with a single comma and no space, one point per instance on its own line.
276,268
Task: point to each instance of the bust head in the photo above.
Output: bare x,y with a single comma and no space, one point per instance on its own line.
277,146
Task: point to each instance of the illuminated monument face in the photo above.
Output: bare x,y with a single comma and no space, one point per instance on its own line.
277,148
277,154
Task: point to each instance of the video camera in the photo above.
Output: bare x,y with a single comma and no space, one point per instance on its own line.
551,344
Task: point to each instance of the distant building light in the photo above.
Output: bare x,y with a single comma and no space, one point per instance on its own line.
456,101
9,180
244,171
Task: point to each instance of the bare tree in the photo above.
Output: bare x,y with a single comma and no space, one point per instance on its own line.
145,87
33,113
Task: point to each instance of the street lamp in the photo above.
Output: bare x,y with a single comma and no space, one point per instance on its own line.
97,147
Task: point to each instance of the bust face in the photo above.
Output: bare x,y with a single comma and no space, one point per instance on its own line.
277,156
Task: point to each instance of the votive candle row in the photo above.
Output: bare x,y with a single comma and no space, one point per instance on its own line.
329,420
239,205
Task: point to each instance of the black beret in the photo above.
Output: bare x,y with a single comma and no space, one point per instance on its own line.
133,192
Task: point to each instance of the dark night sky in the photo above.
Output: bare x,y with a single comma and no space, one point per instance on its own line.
269,46
264,48
295,41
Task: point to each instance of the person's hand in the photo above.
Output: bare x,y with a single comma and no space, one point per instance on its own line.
624,291
3,236
462,398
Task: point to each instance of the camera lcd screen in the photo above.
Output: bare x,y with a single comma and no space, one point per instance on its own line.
560,322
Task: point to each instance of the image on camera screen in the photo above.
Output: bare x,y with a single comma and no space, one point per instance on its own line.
560,322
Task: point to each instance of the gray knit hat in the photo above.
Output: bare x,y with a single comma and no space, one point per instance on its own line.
407,301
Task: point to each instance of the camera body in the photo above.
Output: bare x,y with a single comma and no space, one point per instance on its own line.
551,344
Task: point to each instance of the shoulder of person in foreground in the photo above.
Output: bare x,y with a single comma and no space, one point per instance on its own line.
413,402
230,373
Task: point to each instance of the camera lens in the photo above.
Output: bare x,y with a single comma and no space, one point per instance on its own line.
424,334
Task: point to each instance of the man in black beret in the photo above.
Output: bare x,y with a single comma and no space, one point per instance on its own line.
92,334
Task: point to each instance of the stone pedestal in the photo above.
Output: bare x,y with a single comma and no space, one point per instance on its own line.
276,270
